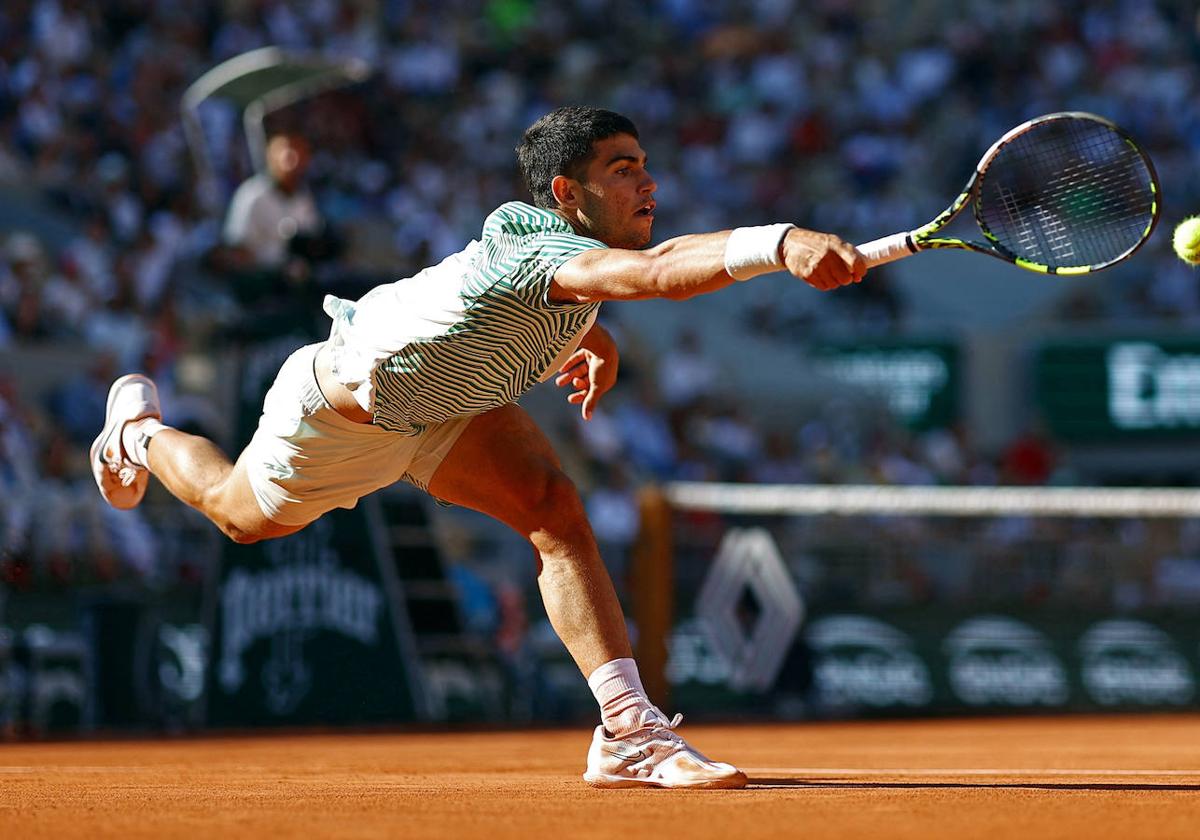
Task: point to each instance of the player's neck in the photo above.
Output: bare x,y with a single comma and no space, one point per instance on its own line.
572,219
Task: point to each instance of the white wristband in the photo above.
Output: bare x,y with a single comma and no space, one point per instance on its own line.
752,251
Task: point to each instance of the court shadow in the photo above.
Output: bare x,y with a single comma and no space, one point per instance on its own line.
797,783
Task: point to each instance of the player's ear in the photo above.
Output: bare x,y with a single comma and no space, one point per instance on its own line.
567,191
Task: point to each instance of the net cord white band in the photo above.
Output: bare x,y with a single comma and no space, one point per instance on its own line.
934,501
751,251
887,249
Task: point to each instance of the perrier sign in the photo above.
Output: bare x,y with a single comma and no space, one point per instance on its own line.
306,631
310,628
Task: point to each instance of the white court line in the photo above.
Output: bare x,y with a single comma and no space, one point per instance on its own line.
766,772
88,768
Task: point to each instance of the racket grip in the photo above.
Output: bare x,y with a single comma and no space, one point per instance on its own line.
887,249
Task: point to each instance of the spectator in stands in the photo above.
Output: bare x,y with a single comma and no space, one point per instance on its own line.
272,208
123,211
1029,459
686,376
18,482
273,237
66,302
78,403
22,279
781,463
612,509
66,521
646,434
729,438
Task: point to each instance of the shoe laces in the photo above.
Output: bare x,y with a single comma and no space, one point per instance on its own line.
655,720
126,471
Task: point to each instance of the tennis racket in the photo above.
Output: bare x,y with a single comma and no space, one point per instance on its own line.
1065,193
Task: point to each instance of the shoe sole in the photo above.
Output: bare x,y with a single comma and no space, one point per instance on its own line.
93,453
604,780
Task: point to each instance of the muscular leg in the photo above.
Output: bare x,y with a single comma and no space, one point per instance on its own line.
197,472
503,466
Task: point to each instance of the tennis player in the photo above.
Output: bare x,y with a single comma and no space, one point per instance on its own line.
419,379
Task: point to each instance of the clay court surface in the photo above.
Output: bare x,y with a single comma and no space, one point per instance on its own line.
1116,777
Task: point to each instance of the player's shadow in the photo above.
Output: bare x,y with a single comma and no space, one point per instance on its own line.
809,783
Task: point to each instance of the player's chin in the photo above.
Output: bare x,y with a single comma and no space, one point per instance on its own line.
640,235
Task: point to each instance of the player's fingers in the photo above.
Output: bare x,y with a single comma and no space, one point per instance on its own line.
589,402
580,356
855,260
837,272
848,253
576,396
576,372
820,278
841,263
581,382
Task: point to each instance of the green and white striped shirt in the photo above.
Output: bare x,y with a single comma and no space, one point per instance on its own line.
467,335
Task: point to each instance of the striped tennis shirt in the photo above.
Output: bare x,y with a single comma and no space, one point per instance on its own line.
473,332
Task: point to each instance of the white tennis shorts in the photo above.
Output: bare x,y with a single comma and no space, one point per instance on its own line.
306,459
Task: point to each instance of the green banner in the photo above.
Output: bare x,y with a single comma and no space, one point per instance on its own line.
919,380
931,661
1129,389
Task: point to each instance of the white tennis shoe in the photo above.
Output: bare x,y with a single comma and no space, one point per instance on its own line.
123,483
655,756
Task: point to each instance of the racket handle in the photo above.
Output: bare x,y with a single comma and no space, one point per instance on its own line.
887,249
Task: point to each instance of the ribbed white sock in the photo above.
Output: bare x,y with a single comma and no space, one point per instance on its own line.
136,436
618,689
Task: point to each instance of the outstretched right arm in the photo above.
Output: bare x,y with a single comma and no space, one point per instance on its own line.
696,264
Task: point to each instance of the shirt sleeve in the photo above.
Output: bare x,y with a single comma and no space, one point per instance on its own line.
543,254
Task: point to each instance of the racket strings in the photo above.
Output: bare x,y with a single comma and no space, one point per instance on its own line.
1067,193
1075,187
1029,237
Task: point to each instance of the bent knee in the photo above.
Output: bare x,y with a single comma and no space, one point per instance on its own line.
247,534
239,532
240,536
246,529
553,503
233,508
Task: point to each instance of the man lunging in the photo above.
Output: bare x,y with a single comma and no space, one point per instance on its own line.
419,380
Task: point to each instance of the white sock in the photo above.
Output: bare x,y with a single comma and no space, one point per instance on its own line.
136,436
618,689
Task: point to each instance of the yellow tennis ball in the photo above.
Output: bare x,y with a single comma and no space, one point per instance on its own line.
1187,240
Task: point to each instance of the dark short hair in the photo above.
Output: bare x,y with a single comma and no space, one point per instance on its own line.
560,143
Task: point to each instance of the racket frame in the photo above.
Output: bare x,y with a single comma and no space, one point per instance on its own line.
899,245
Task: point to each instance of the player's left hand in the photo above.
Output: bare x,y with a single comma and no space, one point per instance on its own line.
590,375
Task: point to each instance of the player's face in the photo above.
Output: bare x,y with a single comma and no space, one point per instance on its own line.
617,202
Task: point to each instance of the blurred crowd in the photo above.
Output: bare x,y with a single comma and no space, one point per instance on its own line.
852,117
1005,563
